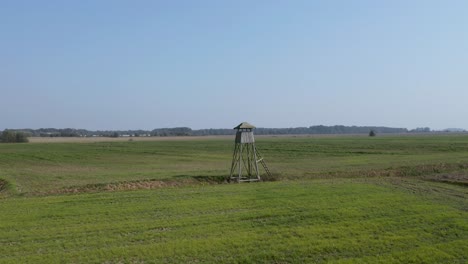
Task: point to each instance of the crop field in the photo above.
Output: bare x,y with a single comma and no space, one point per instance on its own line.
346,199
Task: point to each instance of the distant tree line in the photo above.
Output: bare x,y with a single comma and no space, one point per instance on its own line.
420,130
329,130
21,135
186,131
11,136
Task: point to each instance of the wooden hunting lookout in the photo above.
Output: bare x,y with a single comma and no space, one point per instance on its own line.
244,167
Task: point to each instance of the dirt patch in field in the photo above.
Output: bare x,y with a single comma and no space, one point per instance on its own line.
404,171
3,185
118,186
453,178
131,185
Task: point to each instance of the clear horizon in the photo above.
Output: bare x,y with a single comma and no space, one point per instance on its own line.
121,65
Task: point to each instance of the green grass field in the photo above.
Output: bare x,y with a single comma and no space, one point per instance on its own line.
398,199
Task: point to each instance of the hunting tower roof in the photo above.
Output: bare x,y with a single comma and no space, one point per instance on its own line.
244,125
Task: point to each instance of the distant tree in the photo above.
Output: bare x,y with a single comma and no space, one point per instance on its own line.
372,133
10,136
421,130
68,132
21,137
115,135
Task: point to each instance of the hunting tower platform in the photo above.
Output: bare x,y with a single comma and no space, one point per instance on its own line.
244,167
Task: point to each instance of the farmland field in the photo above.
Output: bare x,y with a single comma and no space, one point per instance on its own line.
347,199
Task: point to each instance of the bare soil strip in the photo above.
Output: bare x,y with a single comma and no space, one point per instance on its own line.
128,185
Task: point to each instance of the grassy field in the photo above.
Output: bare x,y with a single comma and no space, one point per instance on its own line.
50,167
398,199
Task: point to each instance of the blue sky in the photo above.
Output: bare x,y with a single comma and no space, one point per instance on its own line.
213,64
